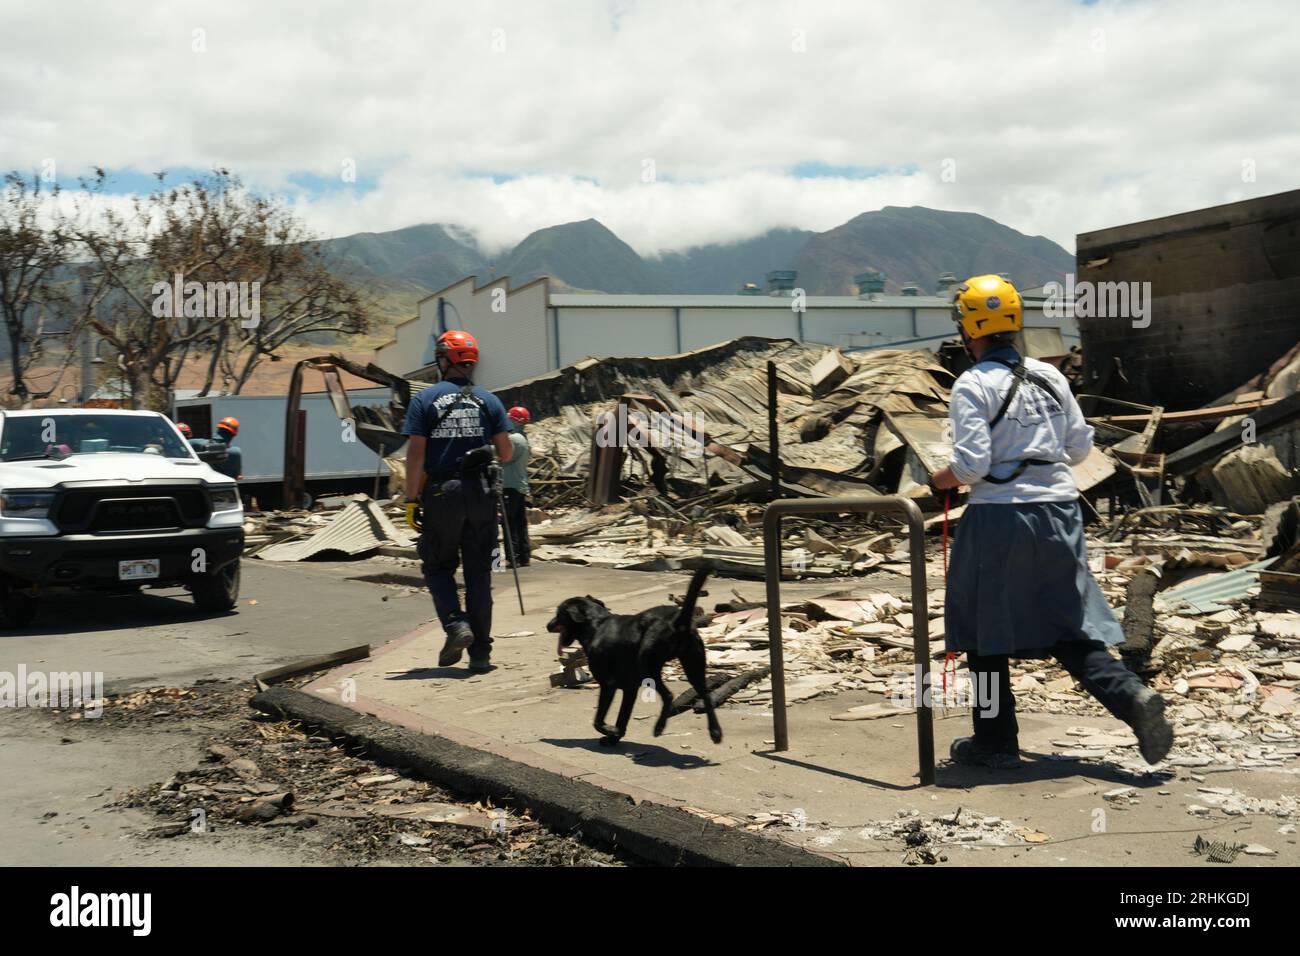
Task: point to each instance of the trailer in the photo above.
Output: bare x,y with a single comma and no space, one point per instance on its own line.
335,456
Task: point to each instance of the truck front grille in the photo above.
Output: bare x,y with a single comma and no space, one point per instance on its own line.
141,508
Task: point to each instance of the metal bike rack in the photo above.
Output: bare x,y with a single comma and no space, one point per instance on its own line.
866,504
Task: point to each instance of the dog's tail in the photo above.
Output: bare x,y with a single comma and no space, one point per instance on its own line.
686,616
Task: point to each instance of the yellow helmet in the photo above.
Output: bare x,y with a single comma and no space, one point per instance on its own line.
987,305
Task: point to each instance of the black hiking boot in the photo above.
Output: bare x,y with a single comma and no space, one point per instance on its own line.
459,637
969,753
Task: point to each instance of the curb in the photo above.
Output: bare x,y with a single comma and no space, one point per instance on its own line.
650,831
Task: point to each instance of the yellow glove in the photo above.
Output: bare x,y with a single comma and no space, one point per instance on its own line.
415,515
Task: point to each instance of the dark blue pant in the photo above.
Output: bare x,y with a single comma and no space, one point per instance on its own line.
1108,680
516,506
460,527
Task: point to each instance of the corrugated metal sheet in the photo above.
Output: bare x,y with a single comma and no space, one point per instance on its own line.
1202,597
360,527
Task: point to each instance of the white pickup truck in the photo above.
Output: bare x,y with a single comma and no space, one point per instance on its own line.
112,500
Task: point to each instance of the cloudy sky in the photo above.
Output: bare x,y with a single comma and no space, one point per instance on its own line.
674,123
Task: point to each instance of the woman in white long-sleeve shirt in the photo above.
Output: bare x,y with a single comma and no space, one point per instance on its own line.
1018,582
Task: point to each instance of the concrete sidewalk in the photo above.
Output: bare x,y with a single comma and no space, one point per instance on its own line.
839,782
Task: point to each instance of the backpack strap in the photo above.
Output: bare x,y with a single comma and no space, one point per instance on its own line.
1020,467
1018,372
1020,375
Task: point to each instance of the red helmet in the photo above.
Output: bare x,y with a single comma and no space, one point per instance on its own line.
185,430
520,414
230,424
459,347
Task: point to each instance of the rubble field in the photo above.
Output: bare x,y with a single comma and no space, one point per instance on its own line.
266,777
1193,533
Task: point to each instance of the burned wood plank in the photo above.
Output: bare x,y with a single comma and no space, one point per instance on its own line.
1139,620
319,663
1198,453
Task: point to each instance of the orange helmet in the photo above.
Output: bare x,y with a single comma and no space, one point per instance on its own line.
458,347
230,424
520,415
185,430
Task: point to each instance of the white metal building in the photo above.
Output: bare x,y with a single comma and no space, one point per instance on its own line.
528,331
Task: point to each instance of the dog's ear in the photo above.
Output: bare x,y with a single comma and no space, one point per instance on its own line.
597,601
576,613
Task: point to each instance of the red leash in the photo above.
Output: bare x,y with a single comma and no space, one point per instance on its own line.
945,537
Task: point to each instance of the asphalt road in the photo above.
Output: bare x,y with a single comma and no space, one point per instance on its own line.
55,781
285,612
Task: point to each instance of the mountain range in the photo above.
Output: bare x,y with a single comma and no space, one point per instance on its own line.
908,244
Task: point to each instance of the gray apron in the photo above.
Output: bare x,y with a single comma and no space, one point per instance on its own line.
1018,582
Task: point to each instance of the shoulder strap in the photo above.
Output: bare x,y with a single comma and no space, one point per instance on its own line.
1021,374
1018,376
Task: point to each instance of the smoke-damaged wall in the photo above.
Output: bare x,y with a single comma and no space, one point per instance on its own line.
1224,301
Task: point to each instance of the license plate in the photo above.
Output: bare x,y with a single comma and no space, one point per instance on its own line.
145,569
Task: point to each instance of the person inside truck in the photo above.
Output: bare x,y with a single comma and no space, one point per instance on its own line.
64,435
149,435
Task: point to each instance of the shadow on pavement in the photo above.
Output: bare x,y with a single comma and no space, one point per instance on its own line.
84,612
842,774
643,755
1039,767
457,672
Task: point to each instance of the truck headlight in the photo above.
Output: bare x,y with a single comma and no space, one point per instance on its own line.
225,498
26,504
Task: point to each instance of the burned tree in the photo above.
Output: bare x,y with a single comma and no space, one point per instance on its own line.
34,298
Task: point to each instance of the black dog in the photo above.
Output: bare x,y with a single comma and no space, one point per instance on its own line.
628,651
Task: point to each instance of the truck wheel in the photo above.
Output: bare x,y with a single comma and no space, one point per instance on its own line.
217,592
17,608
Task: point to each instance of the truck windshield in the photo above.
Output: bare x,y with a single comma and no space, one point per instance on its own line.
57,436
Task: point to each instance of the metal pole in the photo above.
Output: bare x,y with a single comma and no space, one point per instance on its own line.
772,571
773,442
379,470
920,607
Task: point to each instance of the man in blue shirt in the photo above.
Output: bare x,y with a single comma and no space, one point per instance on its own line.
232,464
454,427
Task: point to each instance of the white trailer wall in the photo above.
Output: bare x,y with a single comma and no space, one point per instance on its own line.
261,433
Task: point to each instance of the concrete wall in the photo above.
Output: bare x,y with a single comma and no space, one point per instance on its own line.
1225,286
509,324
617,332
532,336
701,327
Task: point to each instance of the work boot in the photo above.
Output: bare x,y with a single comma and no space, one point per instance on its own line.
1155,734
459,637
969,752
479,665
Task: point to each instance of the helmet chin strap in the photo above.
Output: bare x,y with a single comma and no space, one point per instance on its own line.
966,343
446,366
